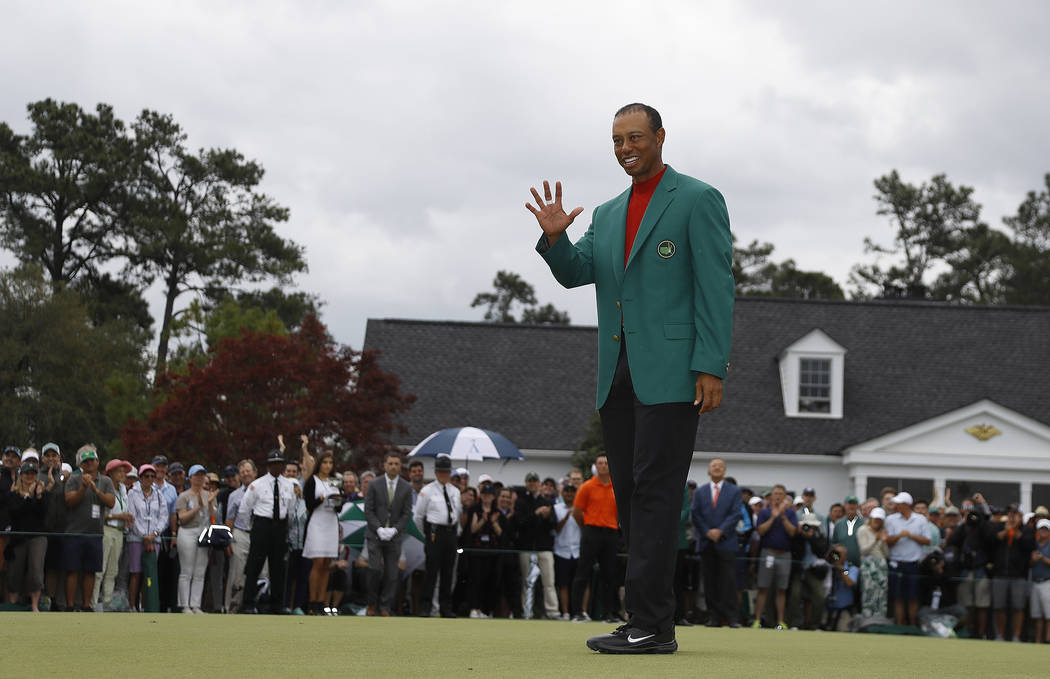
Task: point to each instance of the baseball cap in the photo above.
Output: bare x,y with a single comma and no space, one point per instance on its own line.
229,470
754,501
532,476
132,473
799,500
175,467
49,447
147,468
443,463
86,453
851,498
197,469
952,511
462,471
809,491
1041,511
903,498
213,477
877,513
484,478
1043,523
30,454
12,450
160,459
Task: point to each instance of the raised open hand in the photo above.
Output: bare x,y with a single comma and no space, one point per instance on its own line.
550,214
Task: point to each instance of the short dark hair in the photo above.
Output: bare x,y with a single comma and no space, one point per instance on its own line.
655,122
397,455
415,463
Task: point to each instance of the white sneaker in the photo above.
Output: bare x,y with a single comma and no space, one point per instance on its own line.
582,617
475,613
564,616
187,609
197,610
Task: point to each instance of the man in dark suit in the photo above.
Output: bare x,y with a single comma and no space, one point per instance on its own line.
660,257
716,511
388,507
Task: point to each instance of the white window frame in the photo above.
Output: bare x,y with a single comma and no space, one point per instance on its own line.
814,345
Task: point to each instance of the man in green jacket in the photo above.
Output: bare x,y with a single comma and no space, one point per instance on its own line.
660,258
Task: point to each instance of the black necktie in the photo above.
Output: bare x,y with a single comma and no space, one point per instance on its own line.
276,501
448,503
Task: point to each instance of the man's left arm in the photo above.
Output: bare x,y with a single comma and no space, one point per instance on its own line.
733,516
107,494
711,249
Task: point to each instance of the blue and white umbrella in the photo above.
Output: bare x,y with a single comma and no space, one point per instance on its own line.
467,443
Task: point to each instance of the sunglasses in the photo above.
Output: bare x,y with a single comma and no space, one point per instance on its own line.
147,475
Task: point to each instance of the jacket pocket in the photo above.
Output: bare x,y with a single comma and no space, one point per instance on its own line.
678,331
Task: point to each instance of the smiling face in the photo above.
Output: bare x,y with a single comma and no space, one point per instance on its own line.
637,147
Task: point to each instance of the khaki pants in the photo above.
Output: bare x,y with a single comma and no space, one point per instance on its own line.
112,545
545,560
238,560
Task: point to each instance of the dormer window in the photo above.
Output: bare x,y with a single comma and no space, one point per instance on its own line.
811,376
814,385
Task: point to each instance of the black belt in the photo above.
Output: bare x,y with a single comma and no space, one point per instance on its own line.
259,517
441,527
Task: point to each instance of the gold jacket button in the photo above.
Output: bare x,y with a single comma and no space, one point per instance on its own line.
616,338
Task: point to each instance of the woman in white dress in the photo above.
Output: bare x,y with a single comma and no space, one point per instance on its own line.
322,527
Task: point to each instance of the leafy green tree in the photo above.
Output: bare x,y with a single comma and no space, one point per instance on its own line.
196,221
928,221
544,315
509,289
757,276
64,378
1027,276
977,261
62,188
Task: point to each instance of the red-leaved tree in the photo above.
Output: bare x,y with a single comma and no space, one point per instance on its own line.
257,385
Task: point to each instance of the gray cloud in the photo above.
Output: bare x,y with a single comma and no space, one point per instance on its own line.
404,136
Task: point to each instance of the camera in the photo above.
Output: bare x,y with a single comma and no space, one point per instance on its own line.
808,528
833,557
973,518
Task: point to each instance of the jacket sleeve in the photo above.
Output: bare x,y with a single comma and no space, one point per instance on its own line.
733,517
404,509
711,247
370,507
698,517
571,263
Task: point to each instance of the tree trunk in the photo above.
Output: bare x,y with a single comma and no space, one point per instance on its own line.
170,294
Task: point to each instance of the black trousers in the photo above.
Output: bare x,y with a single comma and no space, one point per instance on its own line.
440,550
649,448
720,585
598,545
269,542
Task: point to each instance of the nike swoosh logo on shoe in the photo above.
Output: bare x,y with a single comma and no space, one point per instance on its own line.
632,640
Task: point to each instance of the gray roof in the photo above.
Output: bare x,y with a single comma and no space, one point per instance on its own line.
906,362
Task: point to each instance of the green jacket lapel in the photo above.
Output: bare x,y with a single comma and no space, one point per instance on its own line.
662,197
618,223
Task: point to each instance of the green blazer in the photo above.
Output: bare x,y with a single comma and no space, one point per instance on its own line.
674,300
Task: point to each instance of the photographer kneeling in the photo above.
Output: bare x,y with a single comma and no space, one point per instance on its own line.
808,572
843,585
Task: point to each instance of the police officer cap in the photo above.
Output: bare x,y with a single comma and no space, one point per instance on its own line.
275,456
443,462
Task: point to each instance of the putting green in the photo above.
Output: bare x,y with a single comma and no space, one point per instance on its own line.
225,647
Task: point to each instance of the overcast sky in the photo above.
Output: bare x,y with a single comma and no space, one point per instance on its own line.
404,136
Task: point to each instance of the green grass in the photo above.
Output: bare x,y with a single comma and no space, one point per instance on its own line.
224,647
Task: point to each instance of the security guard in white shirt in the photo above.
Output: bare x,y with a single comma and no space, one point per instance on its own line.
268,500
437,516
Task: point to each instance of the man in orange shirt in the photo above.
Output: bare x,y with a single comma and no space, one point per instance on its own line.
595,510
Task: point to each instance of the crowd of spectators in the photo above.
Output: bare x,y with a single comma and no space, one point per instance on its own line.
161,537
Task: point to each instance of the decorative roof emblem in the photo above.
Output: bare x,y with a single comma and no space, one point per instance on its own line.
982,432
